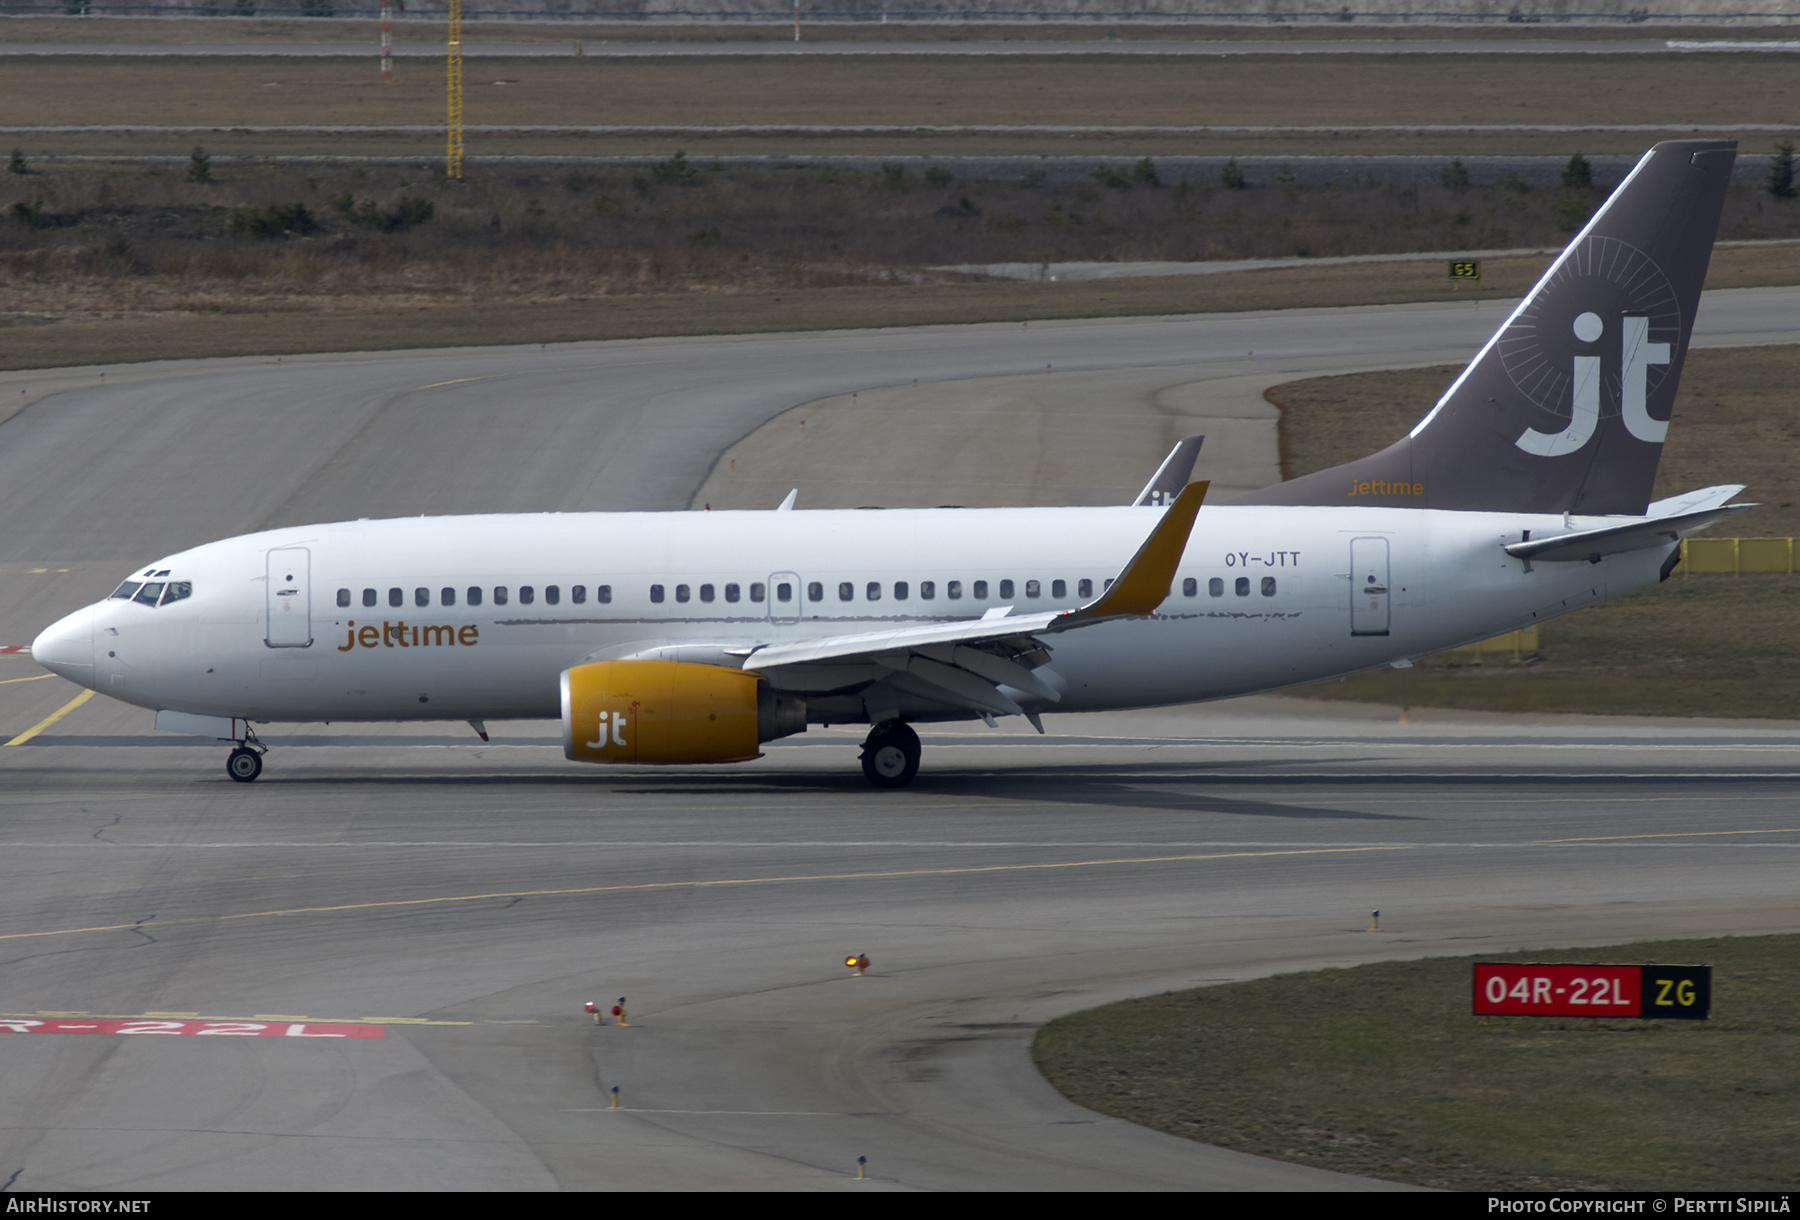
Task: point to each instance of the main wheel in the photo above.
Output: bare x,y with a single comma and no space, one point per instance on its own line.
890,756
244,765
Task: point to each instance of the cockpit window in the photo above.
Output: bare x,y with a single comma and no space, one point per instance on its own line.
128,588
148,594
177,590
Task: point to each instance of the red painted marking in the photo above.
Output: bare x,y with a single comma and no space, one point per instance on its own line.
1542,990
11,648
216,1029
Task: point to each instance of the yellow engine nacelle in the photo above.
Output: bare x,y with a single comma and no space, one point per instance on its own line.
671,712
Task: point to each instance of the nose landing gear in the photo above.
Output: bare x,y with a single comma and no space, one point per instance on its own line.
245,763
890,754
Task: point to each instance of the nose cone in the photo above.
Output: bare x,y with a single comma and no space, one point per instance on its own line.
66,647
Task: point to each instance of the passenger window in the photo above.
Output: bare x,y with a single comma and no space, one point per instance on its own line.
981,590
656,593
396,597
1268,586
900,590
1085,588
846,591
732,593
148,594
1006,588
603,594
552,595
1190,587
874,591
177,590
953,589
446,597
421,597
1216,587
368,597
1243,586
474,595
758,592
784,592
527,595
706,593
1034,588
578,594
1059,589
1107,585
127,589
343,597
683,593
814,592
499,595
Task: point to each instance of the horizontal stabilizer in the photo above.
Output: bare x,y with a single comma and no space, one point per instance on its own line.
1694,501
1594,545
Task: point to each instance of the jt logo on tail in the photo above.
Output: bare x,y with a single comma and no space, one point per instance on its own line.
1637,355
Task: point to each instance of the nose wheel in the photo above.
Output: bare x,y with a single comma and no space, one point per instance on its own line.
244,764
890,754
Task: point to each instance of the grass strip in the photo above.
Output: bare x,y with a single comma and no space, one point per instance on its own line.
1381,1070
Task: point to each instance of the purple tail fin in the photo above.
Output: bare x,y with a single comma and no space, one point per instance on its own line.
1566,407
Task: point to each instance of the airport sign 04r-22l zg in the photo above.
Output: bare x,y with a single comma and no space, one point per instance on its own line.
1538,989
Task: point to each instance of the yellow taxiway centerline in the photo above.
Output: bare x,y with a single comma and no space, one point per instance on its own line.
52,718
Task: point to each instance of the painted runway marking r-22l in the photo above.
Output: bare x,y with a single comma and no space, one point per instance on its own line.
217,1029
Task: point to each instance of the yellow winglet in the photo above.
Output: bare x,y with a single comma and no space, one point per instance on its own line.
1146,580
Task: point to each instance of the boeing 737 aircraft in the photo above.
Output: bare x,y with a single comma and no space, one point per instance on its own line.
695,637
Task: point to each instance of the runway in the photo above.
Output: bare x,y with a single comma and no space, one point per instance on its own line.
467,899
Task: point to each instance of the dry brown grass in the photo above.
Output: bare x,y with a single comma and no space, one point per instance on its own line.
1099,91
125,260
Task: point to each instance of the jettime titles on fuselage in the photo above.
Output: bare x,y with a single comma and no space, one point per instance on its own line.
400,635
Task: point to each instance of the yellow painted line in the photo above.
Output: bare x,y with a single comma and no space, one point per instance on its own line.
1683,834
33,678
695,885
52,718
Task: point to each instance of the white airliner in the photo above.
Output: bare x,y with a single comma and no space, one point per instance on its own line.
694,637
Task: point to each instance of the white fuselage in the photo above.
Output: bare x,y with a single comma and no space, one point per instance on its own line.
1264,597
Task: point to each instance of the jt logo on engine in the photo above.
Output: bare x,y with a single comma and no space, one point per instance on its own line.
617,720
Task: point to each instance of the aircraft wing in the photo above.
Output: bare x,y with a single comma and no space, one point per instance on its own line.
965,664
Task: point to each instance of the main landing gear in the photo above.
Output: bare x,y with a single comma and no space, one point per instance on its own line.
890,756
245,762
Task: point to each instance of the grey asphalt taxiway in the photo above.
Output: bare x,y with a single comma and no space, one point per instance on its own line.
467,899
